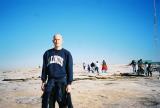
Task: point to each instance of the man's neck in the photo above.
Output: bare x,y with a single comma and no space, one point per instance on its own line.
58,48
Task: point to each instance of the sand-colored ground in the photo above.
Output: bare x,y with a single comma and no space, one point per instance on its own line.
88,91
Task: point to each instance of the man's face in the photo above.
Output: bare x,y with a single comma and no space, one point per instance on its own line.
57,41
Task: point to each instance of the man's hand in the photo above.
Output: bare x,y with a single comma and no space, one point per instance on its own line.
68,88
43,86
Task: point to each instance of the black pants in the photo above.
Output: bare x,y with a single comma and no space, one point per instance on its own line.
66,104
97,69
55,90
149,73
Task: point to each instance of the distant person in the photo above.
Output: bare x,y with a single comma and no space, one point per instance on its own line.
133,64
89,68
140,67
93,67
97,67
104,66
145,68
39,66
84,66
149,70
58,72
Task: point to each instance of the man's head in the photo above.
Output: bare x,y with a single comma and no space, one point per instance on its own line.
57,40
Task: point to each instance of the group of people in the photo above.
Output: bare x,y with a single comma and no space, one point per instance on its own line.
144,68
96,67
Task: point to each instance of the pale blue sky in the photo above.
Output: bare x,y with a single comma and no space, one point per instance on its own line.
115,30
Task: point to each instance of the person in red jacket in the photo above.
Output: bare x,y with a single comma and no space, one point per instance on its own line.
104,67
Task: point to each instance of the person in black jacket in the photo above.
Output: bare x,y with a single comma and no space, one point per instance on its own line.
57,76
149,70
133,64
140,70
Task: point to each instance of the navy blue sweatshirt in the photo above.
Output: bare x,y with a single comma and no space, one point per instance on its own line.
57,64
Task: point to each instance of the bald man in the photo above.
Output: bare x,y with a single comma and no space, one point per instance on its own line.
57,75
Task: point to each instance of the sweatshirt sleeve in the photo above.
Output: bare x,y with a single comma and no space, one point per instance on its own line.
69,69
44,69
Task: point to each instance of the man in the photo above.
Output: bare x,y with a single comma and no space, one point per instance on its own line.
149,70
133,63
84,66
140,67
97,67
57,71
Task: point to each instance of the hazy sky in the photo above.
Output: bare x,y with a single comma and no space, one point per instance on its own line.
115,30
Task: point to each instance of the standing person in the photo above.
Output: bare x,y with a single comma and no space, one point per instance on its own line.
57,75
145,68
97,67
140,67
89,69
133,64
84,66
92,67
104,67
149,70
